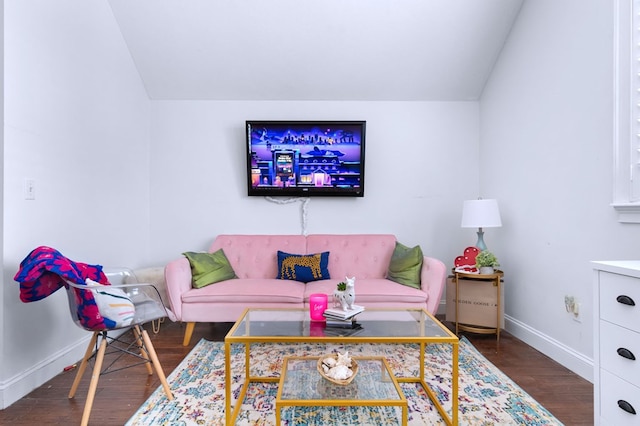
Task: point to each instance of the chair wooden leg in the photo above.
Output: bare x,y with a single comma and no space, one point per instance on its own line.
93,385
143,353
83,364
188,332
156,364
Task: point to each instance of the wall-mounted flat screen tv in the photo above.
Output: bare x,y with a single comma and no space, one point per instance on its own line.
305,158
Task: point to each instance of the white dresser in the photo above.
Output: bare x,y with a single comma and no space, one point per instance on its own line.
616,354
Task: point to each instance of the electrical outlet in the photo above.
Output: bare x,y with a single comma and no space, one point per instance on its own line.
568,303
29,189
576,312
572,306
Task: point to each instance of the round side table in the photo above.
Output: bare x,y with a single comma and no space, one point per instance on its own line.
496,279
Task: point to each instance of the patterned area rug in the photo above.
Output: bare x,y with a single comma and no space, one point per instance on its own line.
486,395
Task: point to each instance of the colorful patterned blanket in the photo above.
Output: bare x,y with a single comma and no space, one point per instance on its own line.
45,270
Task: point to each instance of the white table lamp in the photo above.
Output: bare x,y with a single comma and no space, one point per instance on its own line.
481,214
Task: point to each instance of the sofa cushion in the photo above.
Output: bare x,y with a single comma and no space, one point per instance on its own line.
209,268
371,291
303,267
249,291
405,265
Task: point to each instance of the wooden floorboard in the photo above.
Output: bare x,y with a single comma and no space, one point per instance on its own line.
565,394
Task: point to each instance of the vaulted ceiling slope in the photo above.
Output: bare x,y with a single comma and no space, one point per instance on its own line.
370,50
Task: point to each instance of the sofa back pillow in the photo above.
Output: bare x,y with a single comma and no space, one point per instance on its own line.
406,265
303,267
209,268
359,255
255,256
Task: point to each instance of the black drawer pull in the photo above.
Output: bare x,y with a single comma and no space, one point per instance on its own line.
626,406
626,353
625,300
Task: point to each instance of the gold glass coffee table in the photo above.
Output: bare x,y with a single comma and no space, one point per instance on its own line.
389,326
374,385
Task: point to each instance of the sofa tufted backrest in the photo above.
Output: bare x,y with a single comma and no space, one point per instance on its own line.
364,256
255,256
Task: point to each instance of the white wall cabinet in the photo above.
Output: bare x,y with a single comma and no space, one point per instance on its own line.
616,343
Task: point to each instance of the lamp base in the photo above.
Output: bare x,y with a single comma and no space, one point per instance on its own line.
480,244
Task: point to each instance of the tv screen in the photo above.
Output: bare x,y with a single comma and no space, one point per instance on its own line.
305,158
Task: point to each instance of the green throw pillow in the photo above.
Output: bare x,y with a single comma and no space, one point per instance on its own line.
406,265
209,268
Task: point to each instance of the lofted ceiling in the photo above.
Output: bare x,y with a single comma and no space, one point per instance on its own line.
370,50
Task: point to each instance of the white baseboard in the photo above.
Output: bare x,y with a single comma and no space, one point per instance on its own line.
559,352
22,384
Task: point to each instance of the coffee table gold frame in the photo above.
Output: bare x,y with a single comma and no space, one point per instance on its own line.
445,336
386,375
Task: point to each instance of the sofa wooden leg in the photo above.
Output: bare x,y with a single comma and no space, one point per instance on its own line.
188,332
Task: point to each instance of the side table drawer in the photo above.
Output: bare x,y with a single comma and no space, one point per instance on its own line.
612,390
615,339
614,288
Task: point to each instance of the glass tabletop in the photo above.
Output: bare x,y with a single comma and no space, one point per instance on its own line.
302,382
370,324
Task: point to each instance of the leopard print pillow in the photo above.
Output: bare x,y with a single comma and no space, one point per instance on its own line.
303,267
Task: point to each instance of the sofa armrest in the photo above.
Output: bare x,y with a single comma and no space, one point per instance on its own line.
177,274
433,278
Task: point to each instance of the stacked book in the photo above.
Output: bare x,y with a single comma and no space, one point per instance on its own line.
337,317
340,331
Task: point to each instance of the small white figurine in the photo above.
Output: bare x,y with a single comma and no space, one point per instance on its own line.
346,298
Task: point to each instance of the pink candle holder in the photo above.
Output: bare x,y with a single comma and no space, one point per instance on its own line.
317,306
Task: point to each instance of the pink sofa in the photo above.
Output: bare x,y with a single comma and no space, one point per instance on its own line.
254,260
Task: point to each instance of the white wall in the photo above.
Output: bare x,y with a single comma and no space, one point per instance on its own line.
421,162
546,138
76,120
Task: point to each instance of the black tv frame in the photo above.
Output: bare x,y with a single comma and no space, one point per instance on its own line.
288,170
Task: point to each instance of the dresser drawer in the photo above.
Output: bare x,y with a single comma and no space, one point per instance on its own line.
614,289
612,390
613,339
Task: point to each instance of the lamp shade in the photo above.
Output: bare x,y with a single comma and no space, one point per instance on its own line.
480,214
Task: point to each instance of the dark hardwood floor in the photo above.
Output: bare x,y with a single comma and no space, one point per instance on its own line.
119,394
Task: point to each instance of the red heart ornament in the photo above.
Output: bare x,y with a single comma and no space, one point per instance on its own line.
467,262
